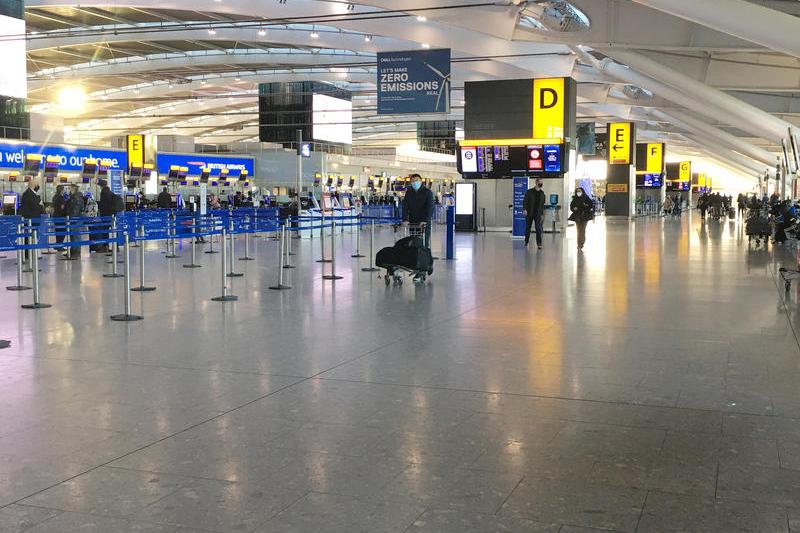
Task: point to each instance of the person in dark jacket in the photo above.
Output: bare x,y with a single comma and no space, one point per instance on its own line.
30,205
418,206
533,206
74,209
582,209
105,208
59,211
164,199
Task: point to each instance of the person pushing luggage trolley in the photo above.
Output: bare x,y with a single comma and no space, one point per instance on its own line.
418,207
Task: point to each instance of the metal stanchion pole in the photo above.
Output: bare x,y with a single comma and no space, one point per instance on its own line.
127,316
35,260
47,250
358,238
282,245
289,251
231,255
68,240
371,267
171,243
141,287
114,253
30,252
286,244
225,297
211,242
332,276
20,258
322,240
193,264
246,248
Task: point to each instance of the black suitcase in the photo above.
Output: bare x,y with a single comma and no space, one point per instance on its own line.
408,254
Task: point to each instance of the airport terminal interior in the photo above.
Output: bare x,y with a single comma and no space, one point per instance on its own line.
434,266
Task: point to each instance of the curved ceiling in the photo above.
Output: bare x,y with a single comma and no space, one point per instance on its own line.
192,68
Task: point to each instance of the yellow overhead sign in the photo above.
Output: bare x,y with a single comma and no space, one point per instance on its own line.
136,151
620,143
655,158
549,98
685,171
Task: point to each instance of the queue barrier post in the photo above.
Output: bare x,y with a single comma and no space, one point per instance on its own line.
127,316
282,245
358,253
20,258
31,252
35,266
246,256
193,264
47,250
171,254
211,249
371,267
232,273
322,240
285,245
332,276
142,287
114,252
225,296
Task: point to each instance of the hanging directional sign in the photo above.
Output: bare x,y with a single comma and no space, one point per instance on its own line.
620,143
685,171
655,158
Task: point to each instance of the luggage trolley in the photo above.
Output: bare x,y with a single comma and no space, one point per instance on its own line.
408,255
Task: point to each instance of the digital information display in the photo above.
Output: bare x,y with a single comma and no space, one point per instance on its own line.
650,181
505,161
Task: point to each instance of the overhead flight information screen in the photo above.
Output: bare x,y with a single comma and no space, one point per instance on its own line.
504,161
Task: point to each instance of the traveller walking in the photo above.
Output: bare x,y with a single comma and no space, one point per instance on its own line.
582,212
533,207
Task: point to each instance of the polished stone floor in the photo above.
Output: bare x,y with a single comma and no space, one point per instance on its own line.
648,384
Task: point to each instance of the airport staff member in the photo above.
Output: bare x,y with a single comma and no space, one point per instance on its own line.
418,206
533,206
164,199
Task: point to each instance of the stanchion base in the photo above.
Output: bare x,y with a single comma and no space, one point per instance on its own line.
113,275
289,266
112,262
234,274
279,287
229,298
356,256
36,306
49,252
18,288
332,278
126,318
192,265
211,252
323,260
4,344
245,258
291,253
136,245
370,269
142,288
70,258
171,256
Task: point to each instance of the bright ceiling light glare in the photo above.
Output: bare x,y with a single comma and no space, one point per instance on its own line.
72,98
212,31
367,38
262,32
314,34
425,45
422,18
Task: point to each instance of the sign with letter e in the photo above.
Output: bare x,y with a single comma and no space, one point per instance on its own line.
620,143
135,151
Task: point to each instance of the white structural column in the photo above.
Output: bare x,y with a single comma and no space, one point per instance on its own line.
749,21
737,112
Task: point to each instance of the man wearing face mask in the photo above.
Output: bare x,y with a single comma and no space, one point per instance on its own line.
533,206
418,206
30,205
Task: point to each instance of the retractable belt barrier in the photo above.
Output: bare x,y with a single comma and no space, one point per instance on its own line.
123,230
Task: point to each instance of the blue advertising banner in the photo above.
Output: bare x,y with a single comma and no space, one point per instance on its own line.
115,181
12,155
520,188
416,81
196,162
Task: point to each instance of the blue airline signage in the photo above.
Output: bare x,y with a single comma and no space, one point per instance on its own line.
519,222
415,81
197,162
12,155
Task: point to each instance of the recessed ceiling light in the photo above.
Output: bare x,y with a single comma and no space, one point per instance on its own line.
422,18
314,34
425,45
262,32
367,38
212,31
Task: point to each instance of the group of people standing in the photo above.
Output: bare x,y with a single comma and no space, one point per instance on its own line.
719,204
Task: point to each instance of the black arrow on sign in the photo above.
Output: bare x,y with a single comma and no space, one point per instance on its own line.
617,147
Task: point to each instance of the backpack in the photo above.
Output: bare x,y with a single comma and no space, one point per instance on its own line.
117,205
90,208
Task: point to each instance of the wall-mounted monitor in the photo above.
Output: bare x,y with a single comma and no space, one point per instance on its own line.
332,119
51,164
32,165
506,161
